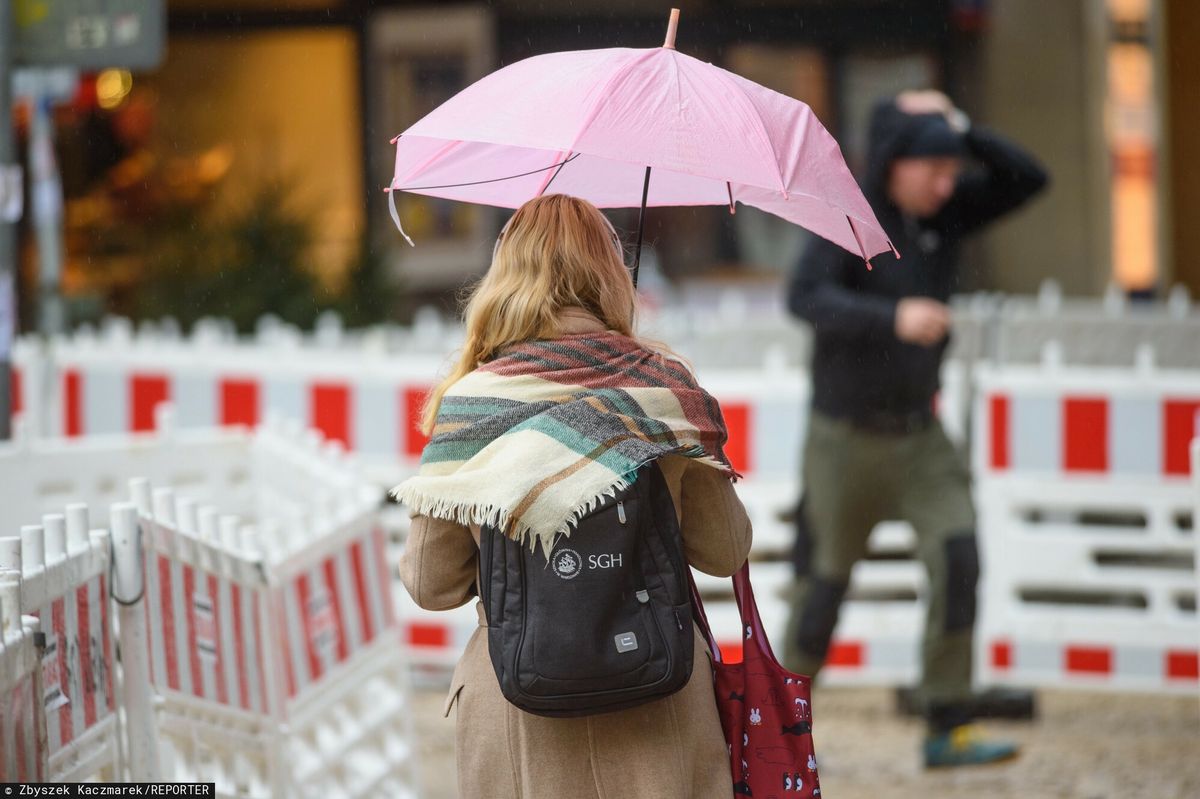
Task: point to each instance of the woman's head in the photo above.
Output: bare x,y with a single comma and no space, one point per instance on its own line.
556,252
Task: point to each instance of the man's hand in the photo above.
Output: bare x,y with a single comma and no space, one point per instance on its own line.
922,321
928,101
931,101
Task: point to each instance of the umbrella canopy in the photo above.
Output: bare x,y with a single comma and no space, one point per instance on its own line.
588,123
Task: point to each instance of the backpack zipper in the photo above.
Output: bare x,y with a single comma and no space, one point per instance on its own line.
621,512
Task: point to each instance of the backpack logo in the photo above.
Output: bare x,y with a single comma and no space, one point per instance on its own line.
567,564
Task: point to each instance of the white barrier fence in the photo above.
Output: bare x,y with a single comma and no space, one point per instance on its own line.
61,571
1088,527
365,392
22,747
1086,534
261,649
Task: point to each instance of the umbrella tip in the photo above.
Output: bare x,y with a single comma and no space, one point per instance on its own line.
672,26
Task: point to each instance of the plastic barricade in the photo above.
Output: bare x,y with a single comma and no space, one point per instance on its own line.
261,647
1085,512
22,720
361,398
273,642
1108,332
367,391
63,582
41,476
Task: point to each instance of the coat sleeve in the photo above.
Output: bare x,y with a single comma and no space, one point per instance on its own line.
1008,177
820,293
439,564
716,529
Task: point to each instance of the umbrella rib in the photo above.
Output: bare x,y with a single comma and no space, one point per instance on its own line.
550,180
594,111
490,180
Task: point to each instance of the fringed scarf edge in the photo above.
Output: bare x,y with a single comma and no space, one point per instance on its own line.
427,502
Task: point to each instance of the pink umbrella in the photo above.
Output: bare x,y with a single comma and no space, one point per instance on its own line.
594,123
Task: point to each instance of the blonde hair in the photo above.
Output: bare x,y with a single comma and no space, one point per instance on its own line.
556,252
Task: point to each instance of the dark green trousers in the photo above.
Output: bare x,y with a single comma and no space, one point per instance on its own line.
853,480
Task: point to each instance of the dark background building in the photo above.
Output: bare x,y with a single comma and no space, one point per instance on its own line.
278,113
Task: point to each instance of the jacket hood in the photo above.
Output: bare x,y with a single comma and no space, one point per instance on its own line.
891,134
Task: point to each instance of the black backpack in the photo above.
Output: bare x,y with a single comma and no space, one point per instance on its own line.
606,623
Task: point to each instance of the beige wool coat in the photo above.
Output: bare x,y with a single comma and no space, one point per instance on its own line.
671,748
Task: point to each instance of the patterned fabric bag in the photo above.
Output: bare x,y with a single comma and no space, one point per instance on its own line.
766,711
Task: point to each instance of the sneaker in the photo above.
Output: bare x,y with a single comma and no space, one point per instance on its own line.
965,745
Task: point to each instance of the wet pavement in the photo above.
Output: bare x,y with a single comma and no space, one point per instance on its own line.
1082,746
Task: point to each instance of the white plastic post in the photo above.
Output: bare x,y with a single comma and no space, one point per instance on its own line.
77,526
1143,359
33,548
164,420
208,523
164,506
185,510
1115,301
1179,302
205,556
228,526
1049,297
21,433
139,492
1052,355
10,602
141,729
269,545
10,554
249,542
55,525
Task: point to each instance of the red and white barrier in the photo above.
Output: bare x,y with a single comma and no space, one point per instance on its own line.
1089,565
1108,424
336,603
204,609
63,582
275,630
22,749
1105,333
366,394
366,397
365,400
206,601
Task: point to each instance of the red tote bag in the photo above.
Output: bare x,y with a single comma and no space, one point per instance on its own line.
766,711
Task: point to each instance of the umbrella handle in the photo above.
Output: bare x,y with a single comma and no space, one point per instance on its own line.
672,26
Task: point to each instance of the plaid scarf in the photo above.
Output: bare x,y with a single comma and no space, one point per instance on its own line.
533,440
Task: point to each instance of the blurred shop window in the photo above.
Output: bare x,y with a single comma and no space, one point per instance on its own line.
1131,127
209,187
418,59
867,78
764,241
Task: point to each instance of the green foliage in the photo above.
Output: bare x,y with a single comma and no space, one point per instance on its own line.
239,266
371,295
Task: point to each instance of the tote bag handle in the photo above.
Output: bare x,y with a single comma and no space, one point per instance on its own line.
752,626
702,618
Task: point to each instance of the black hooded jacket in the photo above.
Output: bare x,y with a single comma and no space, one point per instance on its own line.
860,370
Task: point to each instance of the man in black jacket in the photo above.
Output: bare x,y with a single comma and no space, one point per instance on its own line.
875,450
